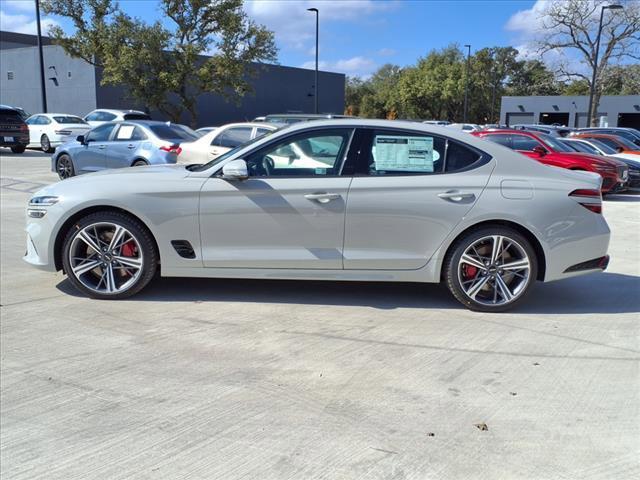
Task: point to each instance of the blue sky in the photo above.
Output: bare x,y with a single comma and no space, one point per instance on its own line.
356,36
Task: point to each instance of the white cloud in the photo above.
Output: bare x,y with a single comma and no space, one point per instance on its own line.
355,66
294,26
528,22
386,52
20,5
21,23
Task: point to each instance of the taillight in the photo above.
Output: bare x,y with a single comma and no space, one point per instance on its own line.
63,132
589,199
24,127
172,149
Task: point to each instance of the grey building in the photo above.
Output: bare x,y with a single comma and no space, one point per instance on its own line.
73,86
571,111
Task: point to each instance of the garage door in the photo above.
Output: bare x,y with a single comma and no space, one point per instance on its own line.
518,117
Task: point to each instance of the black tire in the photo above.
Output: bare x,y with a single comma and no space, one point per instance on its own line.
19,149
139,163
149,253
45,144
451,269
64,167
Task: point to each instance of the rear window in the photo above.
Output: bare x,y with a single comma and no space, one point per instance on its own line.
68,119
167,132
10,116
136,116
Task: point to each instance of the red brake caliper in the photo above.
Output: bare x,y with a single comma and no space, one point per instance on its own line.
470,271
128,250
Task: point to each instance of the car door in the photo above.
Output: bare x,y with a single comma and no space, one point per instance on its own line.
125,143
410,191
34,129
525,144
92,155
280,217
228,139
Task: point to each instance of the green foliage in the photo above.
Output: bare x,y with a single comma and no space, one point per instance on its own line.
434,87
166,68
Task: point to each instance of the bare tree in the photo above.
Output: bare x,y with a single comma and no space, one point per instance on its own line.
574,25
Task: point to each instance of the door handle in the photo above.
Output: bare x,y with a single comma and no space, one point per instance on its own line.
456,196
102,147
322,197
131,146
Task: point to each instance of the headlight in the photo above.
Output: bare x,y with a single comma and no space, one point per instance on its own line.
45,201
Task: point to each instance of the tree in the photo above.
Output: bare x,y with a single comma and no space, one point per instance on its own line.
166,68
573,25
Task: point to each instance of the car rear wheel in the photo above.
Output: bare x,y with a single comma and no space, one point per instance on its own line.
19,149
139,163
491,269
45,144
64,167
109,255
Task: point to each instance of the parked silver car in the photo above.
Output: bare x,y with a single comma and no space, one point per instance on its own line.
118,145
369,200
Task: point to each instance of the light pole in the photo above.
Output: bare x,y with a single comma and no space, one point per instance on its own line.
42,83
315,95
466,86
592,90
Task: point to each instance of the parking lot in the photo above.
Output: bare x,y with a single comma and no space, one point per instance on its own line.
284,379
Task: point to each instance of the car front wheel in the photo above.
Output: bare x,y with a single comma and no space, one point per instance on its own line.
109,255
491,269
64,167
19,149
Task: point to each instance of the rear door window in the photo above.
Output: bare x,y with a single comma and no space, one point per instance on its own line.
101,133
524,143
233,137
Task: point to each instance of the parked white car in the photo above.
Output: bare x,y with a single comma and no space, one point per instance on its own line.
103,115
222,139
48,130
466,127
596,147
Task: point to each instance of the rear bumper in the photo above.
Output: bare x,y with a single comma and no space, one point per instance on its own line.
600,263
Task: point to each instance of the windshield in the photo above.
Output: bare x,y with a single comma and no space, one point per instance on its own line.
627,144
224,156
606,149
69,119
555,144
580,146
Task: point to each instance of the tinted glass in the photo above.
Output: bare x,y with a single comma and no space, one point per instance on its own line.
168,132
499,138
92,117
106,116
68,119
555,144
44,120
603,146
10,116
101,133
136,116
318,153
262,131
459,157
395,153
524,143
233,137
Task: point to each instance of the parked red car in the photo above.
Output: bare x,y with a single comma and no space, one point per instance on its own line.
548,150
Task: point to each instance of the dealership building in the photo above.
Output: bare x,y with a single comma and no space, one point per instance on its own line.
73,86
571,111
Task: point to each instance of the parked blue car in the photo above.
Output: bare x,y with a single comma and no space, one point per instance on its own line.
118,145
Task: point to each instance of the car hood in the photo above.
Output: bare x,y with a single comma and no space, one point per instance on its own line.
117,179
593,159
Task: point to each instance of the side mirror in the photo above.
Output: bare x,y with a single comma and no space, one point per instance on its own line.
620,149
80,138
235,170
540,150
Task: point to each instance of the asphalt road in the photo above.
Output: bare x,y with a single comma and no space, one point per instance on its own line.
230,379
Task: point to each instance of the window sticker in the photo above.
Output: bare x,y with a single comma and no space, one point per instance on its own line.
125,132
394,153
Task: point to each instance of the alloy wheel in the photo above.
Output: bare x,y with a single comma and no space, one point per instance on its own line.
65,167
45,144
494,270
106,258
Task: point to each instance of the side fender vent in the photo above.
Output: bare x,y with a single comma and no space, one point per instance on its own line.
184,248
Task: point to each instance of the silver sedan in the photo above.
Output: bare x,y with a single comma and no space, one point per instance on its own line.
340,200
